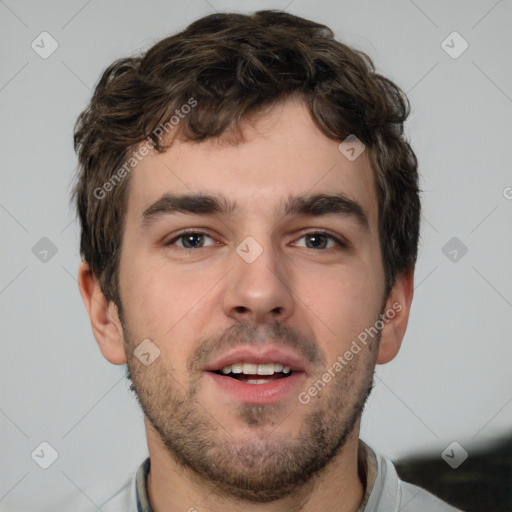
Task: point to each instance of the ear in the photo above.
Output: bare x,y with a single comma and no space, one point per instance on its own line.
104,316
398,305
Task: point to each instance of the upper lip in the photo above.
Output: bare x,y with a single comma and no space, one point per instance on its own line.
258,356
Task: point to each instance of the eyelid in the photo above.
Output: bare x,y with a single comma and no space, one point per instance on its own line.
180,234
340,240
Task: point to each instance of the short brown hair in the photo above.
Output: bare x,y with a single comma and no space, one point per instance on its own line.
234,65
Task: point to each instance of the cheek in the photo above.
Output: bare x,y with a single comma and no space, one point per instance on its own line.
161,306
165,301
340,305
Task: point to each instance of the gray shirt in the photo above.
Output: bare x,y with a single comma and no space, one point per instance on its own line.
384,491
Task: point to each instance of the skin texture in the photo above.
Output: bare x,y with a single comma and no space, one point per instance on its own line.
207,450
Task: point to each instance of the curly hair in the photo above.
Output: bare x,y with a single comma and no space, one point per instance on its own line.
233,66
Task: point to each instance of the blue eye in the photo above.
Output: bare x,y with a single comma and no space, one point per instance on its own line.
190,240
321,240
316,240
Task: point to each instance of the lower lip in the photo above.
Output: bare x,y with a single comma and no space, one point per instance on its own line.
270,393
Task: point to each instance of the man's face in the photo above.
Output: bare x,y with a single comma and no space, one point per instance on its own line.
276,286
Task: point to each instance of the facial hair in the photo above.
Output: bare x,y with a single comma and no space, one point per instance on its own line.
266,464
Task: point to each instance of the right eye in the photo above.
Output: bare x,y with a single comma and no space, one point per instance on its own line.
190,240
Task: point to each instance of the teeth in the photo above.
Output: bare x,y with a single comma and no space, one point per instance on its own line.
256,369
250,369
236,368
265,369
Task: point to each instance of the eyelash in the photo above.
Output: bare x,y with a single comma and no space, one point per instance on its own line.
339,242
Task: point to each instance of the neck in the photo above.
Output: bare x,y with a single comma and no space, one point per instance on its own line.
172,487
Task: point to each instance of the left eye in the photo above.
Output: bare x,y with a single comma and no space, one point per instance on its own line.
320,241
191,240
196,240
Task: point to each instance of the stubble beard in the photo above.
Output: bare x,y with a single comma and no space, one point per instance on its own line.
268,463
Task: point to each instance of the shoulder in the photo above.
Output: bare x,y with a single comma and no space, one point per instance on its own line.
414,499
124,500
390,494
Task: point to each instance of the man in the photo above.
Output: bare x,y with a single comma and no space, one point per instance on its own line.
250,217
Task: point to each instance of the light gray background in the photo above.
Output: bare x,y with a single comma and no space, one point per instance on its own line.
452,378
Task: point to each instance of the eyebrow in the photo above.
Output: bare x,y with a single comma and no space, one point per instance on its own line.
311,205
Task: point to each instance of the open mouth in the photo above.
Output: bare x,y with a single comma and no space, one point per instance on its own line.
255,373
260,381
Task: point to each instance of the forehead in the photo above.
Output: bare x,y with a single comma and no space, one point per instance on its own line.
283,154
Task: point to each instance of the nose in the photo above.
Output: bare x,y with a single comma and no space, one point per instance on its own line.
259,291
